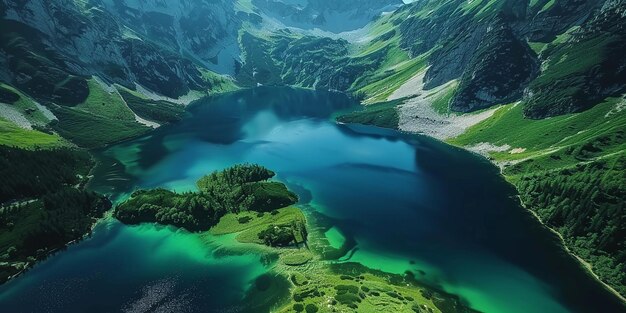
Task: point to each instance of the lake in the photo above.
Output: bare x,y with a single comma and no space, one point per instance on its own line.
404,202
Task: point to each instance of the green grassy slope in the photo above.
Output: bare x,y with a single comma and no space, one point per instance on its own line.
90,131
381,114
159,111
13,136
569,170
105,104
396,66
537,137
21,137
103,118
217,83
441,104
384,82
249,224
24,105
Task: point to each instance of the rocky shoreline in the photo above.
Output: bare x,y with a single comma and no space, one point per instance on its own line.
417,115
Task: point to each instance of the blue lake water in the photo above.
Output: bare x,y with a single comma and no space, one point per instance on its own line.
409,203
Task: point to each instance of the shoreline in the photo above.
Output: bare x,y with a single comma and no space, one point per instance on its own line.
584,264
443,127
85,184
587,266
31,264
59,248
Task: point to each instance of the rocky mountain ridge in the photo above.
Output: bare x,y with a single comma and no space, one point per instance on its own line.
92,40
458,33
327,15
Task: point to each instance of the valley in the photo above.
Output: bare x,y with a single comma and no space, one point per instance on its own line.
341,100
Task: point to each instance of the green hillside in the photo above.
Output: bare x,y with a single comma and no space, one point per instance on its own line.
14,136
569,170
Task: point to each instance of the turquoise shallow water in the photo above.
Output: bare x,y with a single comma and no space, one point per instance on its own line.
410,203
133,269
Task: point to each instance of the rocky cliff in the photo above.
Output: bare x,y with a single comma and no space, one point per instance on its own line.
327,15
121,42
583,68
498,72
486,45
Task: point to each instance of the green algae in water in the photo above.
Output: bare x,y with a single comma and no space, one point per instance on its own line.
134,264
335,237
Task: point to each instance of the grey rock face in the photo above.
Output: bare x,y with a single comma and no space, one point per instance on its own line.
500,69
328,15
128,41
544,25
493,66
204,29
450,61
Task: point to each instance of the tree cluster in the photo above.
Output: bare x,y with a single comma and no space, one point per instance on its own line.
42,203
236,175
193,211
27,173
235,189
586,204
284,235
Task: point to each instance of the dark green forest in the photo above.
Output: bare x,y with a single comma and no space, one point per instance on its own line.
585,204
34,173
43,204
233,190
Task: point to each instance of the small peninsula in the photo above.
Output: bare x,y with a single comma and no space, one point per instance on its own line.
235,190
241,201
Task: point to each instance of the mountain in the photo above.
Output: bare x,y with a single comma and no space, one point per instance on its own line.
584,69
68,55
204,31
122,42
327,15
537,86
63,55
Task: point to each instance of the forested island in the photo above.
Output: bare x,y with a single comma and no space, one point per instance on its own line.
43,204
238,189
